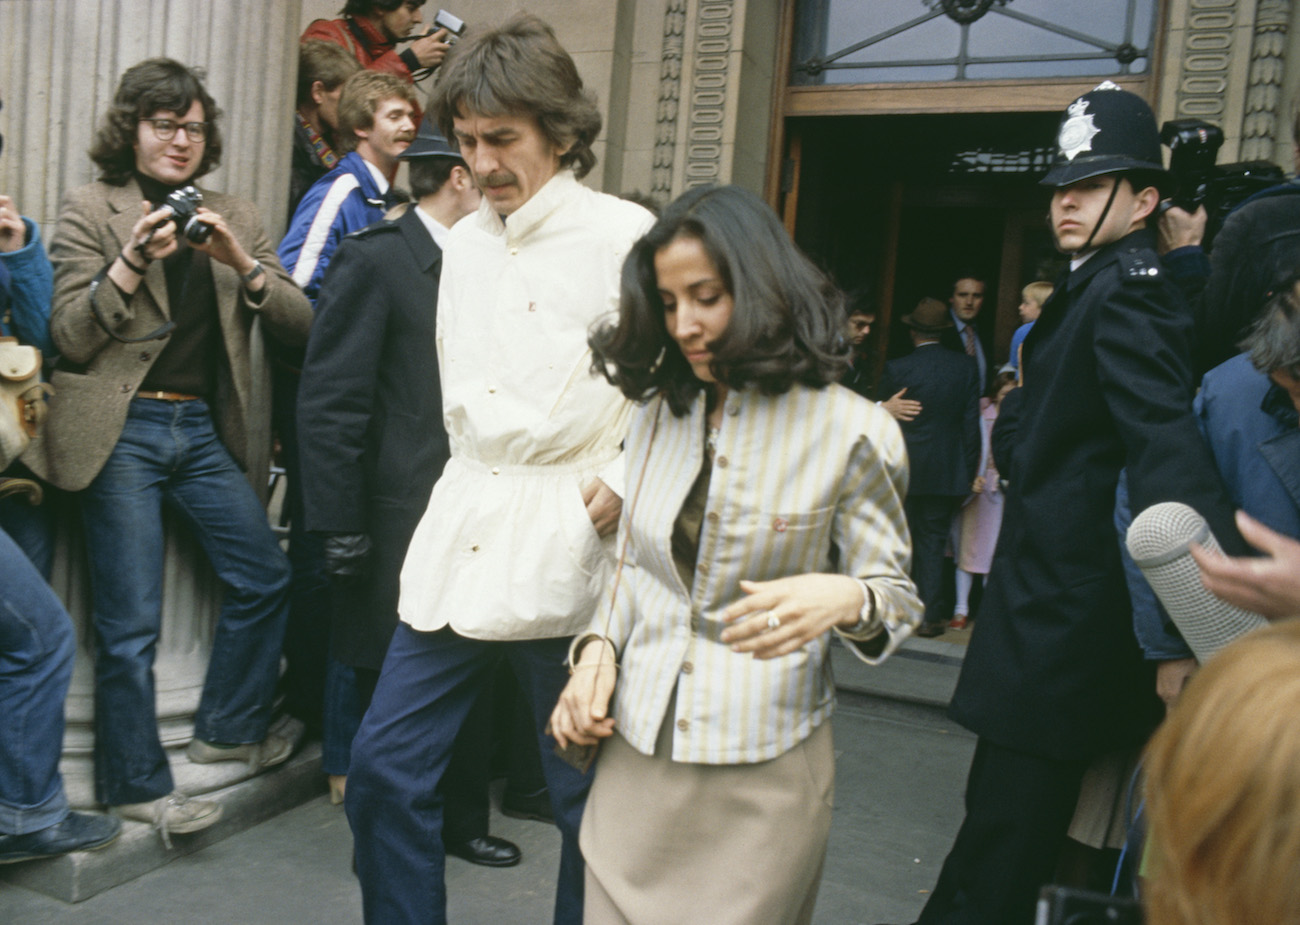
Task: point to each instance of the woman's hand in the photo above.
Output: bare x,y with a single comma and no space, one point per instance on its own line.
581,715
977,486
778,617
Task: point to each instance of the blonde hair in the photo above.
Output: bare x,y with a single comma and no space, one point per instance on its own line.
1038,291
362,94
1223,790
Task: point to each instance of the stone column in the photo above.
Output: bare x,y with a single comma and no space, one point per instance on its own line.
61,65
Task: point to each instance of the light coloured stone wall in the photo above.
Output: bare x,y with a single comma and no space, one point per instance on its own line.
1226,61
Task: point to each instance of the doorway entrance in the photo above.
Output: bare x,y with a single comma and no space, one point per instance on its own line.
896,207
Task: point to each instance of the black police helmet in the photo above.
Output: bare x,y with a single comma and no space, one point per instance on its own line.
429,142
1108,130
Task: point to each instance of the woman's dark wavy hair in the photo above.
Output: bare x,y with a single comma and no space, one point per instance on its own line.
787,323
145,88
520,69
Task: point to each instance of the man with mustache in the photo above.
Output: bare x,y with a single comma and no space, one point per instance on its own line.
512,555
376,123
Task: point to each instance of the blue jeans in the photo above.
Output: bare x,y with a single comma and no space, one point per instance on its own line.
31,527
428,685
169,453
36,655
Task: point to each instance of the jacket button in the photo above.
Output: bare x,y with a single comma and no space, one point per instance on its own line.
733,409
780,524
125,389
712,517
496,471
144,358
721,462
683,724
703,569
687,667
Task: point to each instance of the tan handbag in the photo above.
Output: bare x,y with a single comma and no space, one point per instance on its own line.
22,398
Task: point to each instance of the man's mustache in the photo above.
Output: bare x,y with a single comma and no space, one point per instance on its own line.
498,178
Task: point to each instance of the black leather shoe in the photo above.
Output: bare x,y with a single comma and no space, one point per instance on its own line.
930,630
77,832
536,805
487,851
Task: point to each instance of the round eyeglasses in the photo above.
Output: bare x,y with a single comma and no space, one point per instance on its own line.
165,129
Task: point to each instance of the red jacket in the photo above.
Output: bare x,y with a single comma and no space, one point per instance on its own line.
372,50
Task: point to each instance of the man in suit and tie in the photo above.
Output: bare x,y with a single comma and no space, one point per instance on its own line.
943,445
964,334
373,443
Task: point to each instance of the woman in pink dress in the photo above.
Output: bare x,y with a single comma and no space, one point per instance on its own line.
981,516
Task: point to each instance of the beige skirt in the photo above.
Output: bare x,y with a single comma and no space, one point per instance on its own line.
670,843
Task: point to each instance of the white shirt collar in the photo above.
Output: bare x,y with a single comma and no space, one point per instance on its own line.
437,230
1076,262
528,217
380,179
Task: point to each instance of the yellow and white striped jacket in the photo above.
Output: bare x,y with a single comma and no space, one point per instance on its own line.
809,481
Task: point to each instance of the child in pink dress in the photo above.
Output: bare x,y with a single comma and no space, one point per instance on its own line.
981,515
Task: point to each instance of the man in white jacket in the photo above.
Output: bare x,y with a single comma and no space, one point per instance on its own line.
515,548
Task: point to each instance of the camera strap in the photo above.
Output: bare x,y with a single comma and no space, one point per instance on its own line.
98,314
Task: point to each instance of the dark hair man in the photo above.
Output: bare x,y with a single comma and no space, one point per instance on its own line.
370,30
376,122
322,69
964,305
943,446
152,407
1055,677
372,444
512,555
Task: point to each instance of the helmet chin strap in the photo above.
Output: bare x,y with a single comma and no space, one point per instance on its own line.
1110,200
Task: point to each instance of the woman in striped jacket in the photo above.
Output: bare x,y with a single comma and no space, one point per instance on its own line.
763,511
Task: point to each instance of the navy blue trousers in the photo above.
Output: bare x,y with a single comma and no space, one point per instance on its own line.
429,683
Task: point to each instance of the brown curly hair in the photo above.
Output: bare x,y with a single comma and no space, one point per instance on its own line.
153,85
520,68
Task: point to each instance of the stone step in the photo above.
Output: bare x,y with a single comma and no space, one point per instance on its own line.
139,849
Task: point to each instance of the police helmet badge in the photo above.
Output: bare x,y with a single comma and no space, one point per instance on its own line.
1106,130
1077,131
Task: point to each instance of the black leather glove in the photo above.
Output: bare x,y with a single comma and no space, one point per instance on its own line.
346,554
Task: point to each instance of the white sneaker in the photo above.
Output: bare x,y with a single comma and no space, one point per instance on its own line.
173,813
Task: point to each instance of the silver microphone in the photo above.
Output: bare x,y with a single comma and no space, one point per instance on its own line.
1158,541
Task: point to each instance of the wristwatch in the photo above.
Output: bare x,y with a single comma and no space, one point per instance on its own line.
252,274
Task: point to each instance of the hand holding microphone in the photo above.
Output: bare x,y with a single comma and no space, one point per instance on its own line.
1269,585
1160,541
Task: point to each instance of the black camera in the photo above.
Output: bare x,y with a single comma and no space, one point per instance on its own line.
1198,181
183,204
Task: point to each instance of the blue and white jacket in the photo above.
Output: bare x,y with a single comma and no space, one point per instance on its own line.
346,199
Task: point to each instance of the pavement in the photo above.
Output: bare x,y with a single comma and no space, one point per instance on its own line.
901,768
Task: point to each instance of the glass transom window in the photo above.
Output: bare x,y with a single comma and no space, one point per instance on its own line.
891,41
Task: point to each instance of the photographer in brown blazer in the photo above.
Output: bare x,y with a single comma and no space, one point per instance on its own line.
153,314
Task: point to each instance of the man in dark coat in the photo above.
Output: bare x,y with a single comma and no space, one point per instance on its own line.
943,446
1054,676
965,335
373,443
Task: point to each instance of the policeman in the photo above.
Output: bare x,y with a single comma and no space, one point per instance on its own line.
1055,677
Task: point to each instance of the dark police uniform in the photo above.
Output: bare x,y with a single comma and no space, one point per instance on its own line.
1054,676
